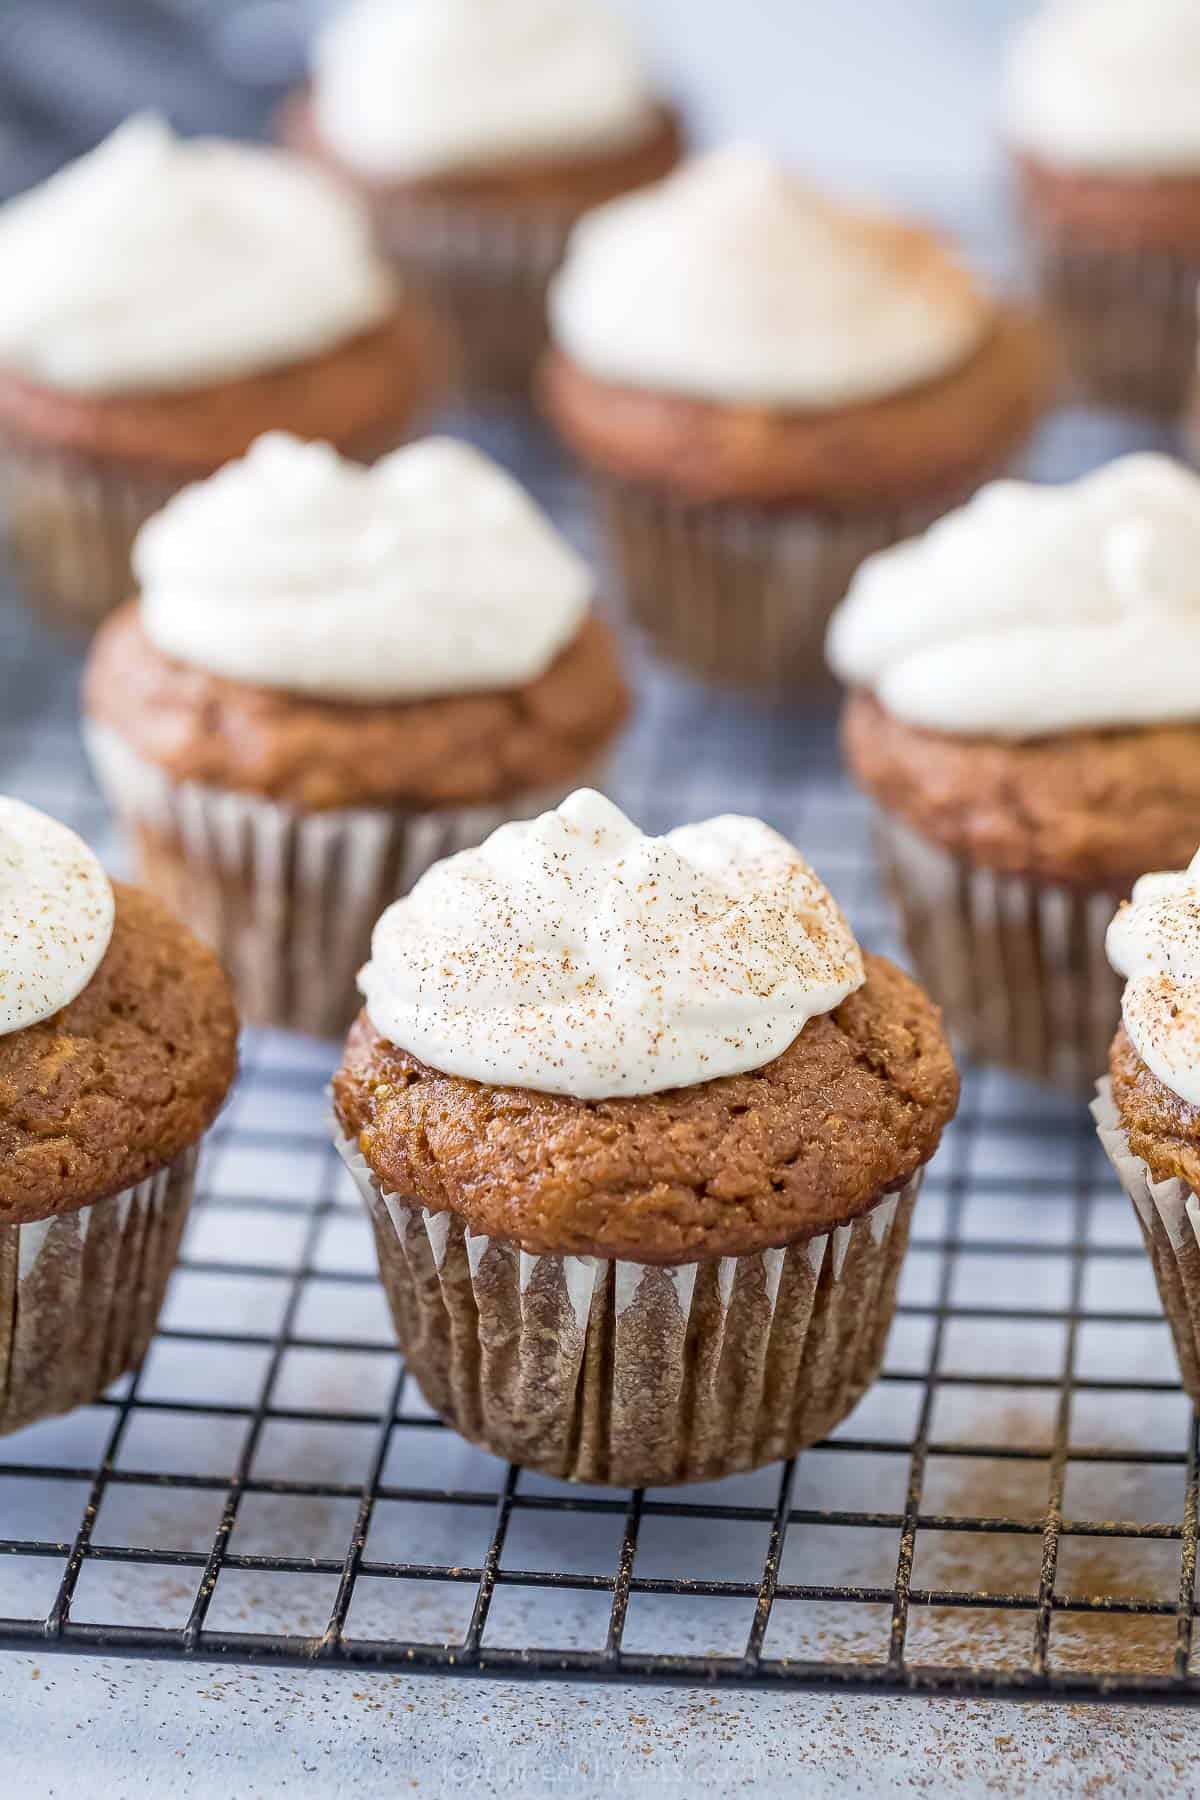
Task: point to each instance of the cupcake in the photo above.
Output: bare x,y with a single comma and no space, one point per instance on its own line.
162,303
765,388
478,131
1025,716
1148,1109
117,1047
334,676
1104,119
640,1131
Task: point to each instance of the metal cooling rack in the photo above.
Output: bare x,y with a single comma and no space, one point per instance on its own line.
1012,1509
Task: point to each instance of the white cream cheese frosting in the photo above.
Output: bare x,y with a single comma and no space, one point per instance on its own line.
437,87
56,916
1154,942
430,573
732,281
158,263
1034,610
574,955
1110,85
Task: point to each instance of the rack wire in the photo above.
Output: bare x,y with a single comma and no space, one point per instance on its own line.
1012,1509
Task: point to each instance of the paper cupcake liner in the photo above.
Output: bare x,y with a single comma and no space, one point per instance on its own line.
80,1293
485,274
1169,1215
287,899
1125,319
1017,966
737,595
629,1374
70,527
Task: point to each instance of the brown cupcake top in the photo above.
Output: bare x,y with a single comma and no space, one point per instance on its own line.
123,1079
817,1137
1162,1129
1089,809
360,395
558,187
927,440
1106,209
316,754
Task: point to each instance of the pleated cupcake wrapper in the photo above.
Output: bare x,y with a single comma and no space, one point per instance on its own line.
1126,320
1017,966
70,527
737,595
485,273
1169,1215
631,1374
80,1293
288,899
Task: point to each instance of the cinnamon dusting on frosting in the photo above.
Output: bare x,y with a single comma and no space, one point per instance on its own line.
1154,941
574,955
56,916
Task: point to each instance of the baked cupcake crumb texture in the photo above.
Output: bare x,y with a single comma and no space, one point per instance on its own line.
658,1049
678,360
1024,695
415,636
124,1078
850,1111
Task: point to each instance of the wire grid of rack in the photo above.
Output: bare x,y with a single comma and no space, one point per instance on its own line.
1011,1510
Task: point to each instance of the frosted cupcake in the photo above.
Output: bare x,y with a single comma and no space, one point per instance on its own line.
1104,117
162,303
334,676
478,131
1025,716
117,1048
640,1131
766,387
1148,1109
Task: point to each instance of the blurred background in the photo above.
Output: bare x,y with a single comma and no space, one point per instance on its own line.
895,97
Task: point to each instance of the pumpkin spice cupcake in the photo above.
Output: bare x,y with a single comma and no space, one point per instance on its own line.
1104,120
478,131
766,387
334,676
162,304
640,1132
1024,715
117,1048
1147,1111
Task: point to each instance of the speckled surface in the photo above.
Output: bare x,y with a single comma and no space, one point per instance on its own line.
259,1734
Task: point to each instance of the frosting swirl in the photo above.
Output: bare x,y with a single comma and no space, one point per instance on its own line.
575,955
155,263
1110,84
1154,942
56,916
430,573
1035,610
444,86
732,281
